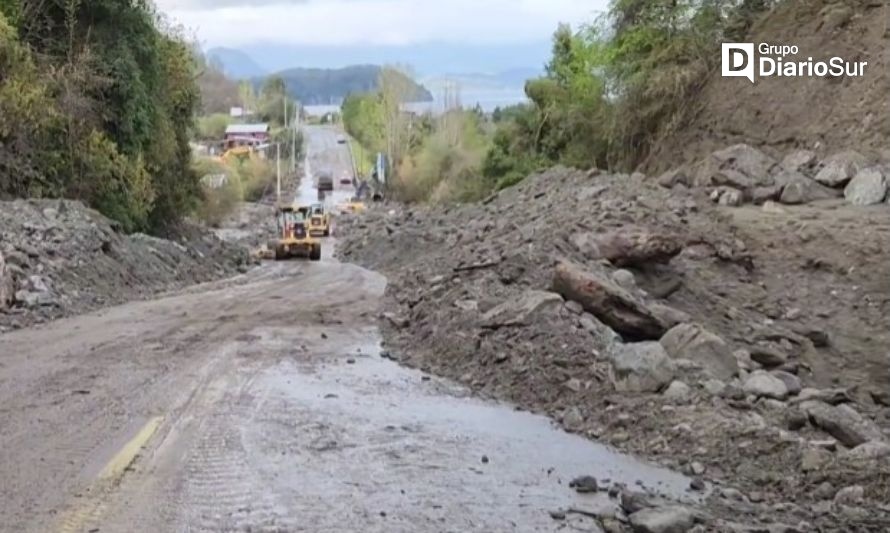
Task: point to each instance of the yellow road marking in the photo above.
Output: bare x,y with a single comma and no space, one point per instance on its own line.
115,468
91,508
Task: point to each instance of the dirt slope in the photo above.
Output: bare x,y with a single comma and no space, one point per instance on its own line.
777,114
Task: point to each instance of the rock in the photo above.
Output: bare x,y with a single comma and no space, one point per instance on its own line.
799,161
840,168
641,367
7,285
740,166
730,197
824,491
600,331
773,208
558,515
762,384
574,385
669,316
574,307
677,391
829,396
767,356
868,187
584,484
852,495
396,320
841,422
761,195
795,419
572,418
792,382
715,387
467,305
674,177
799,189
34,299
611,304
633,501
669,519
625,279
697,484
868,451
521,311
693,342
637,247
814,459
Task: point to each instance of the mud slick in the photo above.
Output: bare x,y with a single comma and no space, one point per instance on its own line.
744,346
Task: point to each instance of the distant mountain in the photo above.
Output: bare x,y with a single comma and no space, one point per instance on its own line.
316,86
235,63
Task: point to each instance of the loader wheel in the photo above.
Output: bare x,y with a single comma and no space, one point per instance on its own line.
315,254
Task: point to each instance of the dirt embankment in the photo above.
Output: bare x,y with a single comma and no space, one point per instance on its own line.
778,114
744,345
58,258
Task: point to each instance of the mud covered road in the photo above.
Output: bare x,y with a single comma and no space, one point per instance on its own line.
262,403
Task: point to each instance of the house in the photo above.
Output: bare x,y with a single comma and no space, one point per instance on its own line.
246,135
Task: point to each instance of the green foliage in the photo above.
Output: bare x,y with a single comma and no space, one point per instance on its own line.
213,127
613,88
97,102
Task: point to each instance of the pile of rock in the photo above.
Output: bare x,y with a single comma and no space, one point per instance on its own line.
743,174
59,258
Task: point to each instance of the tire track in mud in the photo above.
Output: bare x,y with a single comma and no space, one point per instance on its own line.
223,491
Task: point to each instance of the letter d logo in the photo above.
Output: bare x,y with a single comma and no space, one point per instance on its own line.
738,60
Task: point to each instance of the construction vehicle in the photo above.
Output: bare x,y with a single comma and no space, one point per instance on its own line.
294,239
354,205
318,219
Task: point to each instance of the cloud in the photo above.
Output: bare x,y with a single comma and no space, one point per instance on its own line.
376,22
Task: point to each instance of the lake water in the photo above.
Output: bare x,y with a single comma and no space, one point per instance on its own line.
488,99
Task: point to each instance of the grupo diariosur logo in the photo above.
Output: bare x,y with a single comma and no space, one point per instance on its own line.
740,60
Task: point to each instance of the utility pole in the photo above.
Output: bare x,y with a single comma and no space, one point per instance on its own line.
278,173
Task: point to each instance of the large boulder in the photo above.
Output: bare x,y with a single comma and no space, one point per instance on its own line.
669,519
842,422
641,367
7,284
868,187
840,168
522,310
765,385
803,161
799,189
613,305
693,342
740,166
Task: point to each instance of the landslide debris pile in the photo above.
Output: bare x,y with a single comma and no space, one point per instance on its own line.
744,346
59,258
741,173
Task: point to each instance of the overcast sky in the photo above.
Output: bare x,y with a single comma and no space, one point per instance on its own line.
237,23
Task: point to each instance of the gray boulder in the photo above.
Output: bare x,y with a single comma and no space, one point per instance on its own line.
799,161
7,285
842,422
641,367
764,385
840,168
868,187
740,166
669,519
693,342
799,189
792,382
521,311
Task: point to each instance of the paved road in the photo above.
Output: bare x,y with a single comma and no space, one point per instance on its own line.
262,403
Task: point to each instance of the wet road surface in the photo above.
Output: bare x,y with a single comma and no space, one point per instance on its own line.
262,404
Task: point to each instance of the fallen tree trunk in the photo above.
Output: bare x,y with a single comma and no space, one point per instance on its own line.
613,305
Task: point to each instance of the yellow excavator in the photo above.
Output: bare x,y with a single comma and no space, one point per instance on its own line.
319,219
294,238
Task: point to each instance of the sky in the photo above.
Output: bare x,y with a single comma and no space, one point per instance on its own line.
348,26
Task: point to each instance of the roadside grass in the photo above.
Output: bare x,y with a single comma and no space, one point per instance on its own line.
363,158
